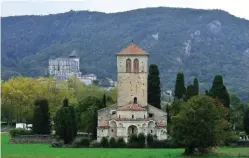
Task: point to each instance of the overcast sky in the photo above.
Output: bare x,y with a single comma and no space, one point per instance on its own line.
238,8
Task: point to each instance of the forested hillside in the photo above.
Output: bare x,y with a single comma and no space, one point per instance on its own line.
199,43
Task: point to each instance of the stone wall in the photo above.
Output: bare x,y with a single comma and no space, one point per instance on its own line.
21,139
131,85
159,115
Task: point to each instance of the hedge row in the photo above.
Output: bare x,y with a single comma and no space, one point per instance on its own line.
20,131
134,142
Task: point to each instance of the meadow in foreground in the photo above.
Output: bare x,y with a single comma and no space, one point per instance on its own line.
46,151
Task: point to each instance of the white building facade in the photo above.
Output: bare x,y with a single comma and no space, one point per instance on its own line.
64,68
132,114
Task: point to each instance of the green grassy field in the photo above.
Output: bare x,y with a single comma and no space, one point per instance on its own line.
45,151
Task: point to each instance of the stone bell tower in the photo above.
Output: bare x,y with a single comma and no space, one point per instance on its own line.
132,68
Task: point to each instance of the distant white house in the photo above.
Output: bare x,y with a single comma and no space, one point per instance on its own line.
169,93
112,83
86,81
24,126
90,77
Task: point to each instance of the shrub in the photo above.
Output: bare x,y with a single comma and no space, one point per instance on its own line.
133,139
121,143
104,142
20,131
133,145
133,142
94,144
141,140
81,142
137,141
57,143
149,140
112,143
159,144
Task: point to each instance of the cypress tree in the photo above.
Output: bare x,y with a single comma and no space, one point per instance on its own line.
154,90
37,119
65,123
41,117
168,113
246,121
218,90
94,124
190,92
179,86
65,102
104,100
206,92
196,86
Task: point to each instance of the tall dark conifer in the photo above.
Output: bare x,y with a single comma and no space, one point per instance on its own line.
196,86
168,113
154,90
41,117
179,86
246,121
190,92
104,100
65,123
218,90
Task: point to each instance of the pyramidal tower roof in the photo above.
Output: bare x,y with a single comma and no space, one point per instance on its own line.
73,54
132,49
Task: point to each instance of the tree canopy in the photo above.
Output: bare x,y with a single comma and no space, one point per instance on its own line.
20,93
86,113
200,124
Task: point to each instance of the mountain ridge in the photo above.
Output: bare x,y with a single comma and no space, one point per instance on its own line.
200,43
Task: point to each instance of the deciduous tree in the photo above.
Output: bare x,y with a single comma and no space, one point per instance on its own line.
200,124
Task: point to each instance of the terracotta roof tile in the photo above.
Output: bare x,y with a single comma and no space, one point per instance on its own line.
135,107
103,124
132,49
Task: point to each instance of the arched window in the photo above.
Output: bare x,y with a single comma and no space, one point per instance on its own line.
136,65
135,100
128,65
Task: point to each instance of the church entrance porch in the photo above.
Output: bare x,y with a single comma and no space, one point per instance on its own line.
132,130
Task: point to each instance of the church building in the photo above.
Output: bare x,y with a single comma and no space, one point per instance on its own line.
132,114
